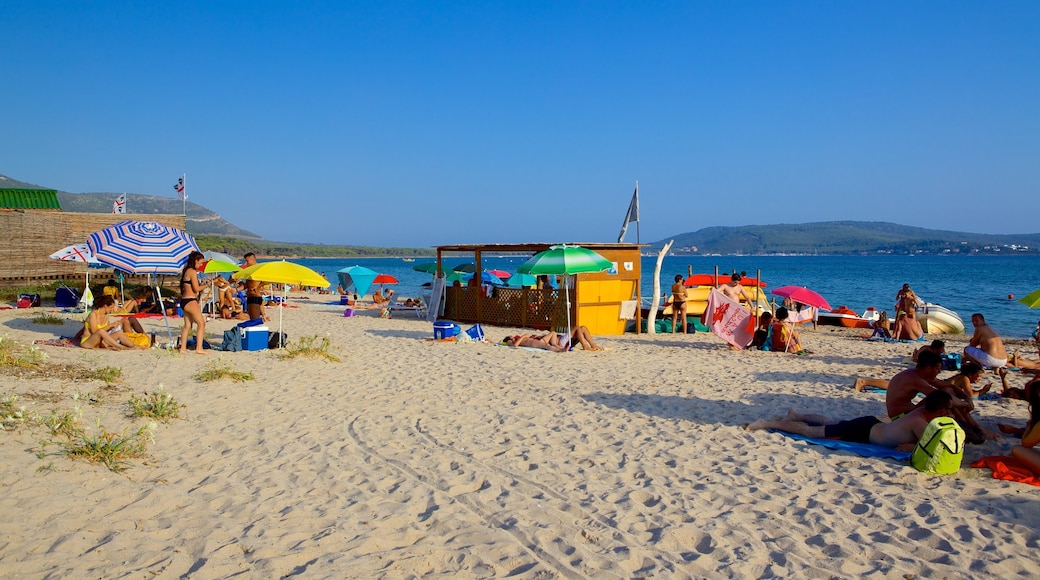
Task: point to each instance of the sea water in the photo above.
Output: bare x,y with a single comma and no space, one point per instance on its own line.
964,284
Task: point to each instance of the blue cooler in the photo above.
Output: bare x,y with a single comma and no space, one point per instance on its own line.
255,338
445,330
344,299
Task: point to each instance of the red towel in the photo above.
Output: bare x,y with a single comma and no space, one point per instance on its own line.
1008,468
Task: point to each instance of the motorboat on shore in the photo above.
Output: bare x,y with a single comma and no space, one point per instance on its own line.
936,319
847,317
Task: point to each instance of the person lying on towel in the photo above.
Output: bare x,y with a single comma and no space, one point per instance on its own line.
902,433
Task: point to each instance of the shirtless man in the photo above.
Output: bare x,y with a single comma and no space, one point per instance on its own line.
937,346
254,296
906,300
734,290
902,433
679,302
985,348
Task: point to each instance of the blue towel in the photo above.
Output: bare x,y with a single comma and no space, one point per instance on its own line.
864,449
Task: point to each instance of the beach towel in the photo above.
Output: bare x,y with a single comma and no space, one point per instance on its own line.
864,449
1008,468
63,341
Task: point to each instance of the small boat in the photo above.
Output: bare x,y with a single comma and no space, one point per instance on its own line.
847,317
407,259
935,319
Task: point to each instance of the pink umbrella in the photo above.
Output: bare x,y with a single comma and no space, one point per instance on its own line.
803,295
499,273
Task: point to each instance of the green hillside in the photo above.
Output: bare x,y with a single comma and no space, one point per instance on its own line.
843,238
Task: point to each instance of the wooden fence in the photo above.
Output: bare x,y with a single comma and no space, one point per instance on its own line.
30,236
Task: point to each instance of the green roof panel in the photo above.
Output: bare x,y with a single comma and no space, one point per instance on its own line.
29,199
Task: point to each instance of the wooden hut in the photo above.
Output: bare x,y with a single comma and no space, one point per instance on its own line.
602,301
33,227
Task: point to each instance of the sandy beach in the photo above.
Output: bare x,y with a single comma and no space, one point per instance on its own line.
414,458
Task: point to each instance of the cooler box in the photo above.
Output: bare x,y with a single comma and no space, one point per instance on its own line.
445,330
344,299
476,332
255,338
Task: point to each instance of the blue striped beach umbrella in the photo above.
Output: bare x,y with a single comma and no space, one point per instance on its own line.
142,247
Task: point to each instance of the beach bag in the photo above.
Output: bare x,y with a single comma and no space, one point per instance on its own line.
28,300
941,447
232,340
276,339
139,338
951,361
476,332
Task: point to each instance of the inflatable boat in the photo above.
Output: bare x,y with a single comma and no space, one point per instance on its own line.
935,319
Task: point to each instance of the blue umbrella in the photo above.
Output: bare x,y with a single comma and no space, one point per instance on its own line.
360,276
142,247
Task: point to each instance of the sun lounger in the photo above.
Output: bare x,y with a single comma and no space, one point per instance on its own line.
420,311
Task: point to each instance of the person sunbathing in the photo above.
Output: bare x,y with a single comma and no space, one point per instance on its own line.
553,342
902,433
1030,435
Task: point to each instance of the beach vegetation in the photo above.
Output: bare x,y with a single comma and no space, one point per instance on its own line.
14,355
159,405
239,246
12,415
107,374
113,450
43,317
65,423
218,369
310,346
12,293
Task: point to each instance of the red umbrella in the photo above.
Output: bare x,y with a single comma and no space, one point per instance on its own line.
385,279
499,273
803,295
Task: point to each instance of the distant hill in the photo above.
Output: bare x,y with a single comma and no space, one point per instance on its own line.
844,238
198,220
210,230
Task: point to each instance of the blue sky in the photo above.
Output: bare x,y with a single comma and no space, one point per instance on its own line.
424,123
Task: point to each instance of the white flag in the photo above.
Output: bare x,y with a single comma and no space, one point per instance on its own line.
632,215
119,205
180,188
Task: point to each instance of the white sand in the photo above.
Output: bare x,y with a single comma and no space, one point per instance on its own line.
415,458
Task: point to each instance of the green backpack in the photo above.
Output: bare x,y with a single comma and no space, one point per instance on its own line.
941,447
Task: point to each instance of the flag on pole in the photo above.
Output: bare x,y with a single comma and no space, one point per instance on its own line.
180,189
631,216
119,205
728,320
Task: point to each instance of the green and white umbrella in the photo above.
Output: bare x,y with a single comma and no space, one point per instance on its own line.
564,260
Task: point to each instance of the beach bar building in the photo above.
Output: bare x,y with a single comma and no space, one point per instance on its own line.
602,301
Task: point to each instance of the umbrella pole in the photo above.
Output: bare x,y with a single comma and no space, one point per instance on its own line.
281,308
162,307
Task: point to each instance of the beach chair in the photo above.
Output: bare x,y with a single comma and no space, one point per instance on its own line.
420,311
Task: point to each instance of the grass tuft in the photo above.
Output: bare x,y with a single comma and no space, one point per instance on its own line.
64,423
218,369
311,346
107,374
112,450
13,355
43,317
159,405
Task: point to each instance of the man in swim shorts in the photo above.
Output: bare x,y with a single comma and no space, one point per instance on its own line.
985,347
901,433
254,296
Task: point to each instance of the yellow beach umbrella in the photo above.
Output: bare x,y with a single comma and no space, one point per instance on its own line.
282,273
1032,299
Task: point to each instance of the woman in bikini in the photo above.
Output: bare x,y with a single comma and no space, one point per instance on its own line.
190,288
98,330
679,302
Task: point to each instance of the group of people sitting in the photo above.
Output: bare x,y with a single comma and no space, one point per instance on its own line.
775,333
